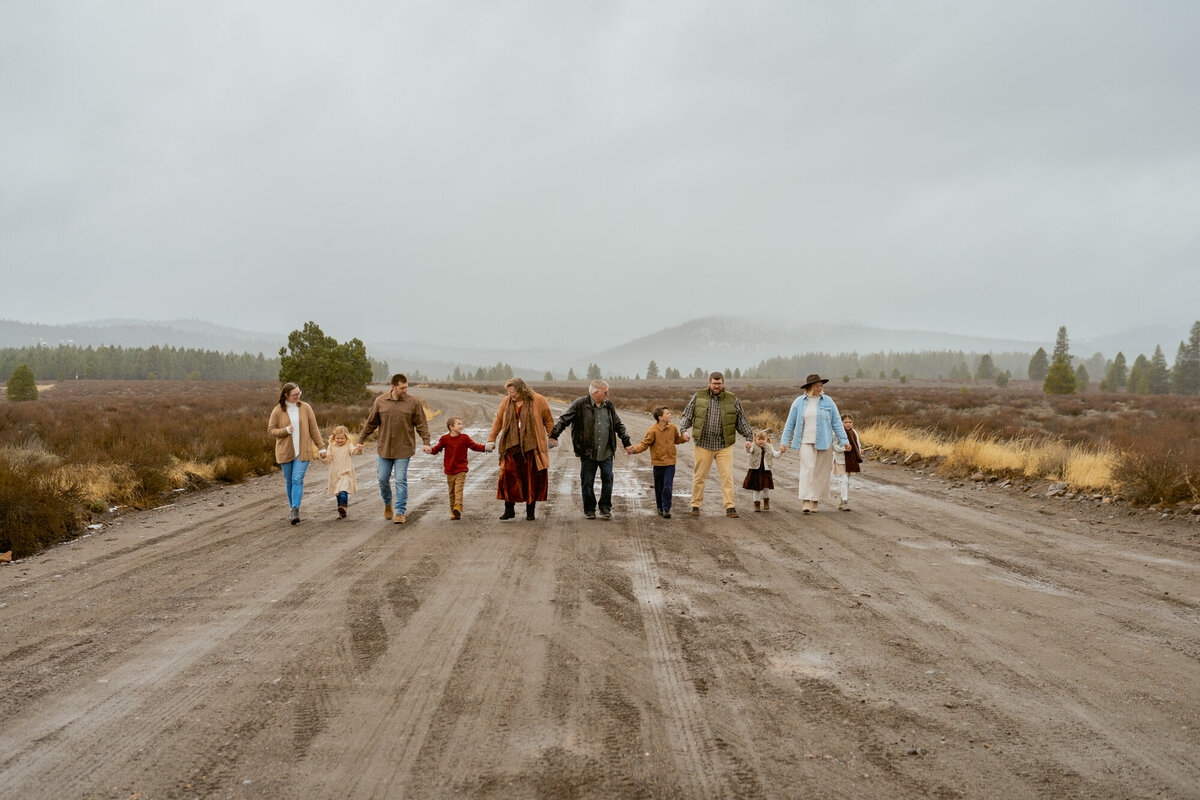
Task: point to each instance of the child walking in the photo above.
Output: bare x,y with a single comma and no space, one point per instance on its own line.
847,461
661,440
456,443
341,469
758,478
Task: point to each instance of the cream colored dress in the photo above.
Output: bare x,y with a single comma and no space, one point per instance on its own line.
815,465
341,470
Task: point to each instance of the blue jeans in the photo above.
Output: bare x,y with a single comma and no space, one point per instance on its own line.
383,471
587,478
293,480
343,498
664,485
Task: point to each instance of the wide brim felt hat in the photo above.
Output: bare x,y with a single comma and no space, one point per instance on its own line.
813,378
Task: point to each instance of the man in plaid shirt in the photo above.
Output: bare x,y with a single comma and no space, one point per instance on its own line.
715,417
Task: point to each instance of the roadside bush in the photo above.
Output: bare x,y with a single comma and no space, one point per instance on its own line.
35,513
1150,476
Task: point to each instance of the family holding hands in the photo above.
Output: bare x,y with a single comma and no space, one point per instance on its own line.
524,430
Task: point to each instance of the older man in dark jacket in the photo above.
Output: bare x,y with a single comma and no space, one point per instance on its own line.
595,428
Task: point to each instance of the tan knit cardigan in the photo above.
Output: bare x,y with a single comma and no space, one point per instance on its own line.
309,431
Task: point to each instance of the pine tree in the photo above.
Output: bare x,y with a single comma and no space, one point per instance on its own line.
651,370
1062,347
1039,365
1139,376
325,370
549,376
21,385
1117,373
571,374
593,372
1082,378
1185,377
986,370
1159,376
1003,378
1059,379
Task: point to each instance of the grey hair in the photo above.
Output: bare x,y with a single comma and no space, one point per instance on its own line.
596,386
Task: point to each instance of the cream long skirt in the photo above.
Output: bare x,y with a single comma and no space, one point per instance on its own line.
815,468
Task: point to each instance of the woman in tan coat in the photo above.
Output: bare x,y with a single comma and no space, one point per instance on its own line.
520,427
294,427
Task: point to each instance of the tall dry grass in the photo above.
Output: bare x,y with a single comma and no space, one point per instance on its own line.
1083,468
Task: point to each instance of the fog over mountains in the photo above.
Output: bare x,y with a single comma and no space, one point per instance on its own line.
718,342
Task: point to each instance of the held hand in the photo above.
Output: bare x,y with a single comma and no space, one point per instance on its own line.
427,449
490,446
322,453
551,443
358,449
629,449
687,436
783,448
847,448
747,447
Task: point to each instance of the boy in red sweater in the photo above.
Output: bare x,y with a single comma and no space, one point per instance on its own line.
456,443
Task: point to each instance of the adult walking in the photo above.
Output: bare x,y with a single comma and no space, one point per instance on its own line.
400,419
294,427
715,417
811,424
595,427
520,428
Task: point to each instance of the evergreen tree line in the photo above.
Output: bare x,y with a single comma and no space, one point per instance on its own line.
1146,376
952,364
68,362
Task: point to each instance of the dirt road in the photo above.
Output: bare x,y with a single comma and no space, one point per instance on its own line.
935,642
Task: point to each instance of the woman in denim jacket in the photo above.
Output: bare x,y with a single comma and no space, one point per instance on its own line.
811,424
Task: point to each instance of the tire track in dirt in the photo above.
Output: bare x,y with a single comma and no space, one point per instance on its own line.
703,761
434,637
143,686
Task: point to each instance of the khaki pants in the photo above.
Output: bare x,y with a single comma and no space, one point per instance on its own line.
704,461
456,482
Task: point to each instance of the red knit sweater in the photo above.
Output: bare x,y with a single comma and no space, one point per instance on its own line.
456,451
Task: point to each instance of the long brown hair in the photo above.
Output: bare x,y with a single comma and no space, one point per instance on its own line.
284,392
521,386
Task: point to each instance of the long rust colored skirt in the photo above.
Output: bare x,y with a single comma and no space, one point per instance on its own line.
520,479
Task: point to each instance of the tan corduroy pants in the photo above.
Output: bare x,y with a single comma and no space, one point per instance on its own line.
704,461
456,482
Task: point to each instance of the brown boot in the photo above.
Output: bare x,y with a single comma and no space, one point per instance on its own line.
387,511
757,506
766,504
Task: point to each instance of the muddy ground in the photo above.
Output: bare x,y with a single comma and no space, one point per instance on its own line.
937,641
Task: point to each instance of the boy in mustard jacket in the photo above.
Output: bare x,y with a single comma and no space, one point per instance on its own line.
661,440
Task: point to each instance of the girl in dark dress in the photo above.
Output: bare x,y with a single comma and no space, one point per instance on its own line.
758,478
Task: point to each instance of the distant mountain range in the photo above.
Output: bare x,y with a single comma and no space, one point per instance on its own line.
718,342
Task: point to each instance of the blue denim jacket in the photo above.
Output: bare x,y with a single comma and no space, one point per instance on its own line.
829,421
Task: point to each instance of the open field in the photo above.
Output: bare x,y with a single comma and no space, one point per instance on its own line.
941,640
86,446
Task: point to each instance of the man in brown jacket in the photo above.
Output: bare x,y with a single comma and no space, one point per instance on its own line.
400,418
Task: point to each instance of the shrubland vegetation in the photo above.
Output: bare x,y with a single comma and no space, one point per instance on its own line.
88,445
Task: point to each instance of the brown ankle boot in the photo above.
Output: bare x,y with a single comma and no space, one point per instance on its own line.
766,504
757,506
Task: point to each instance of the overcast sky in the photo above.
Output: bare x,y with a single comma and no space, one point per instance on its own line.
511,173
